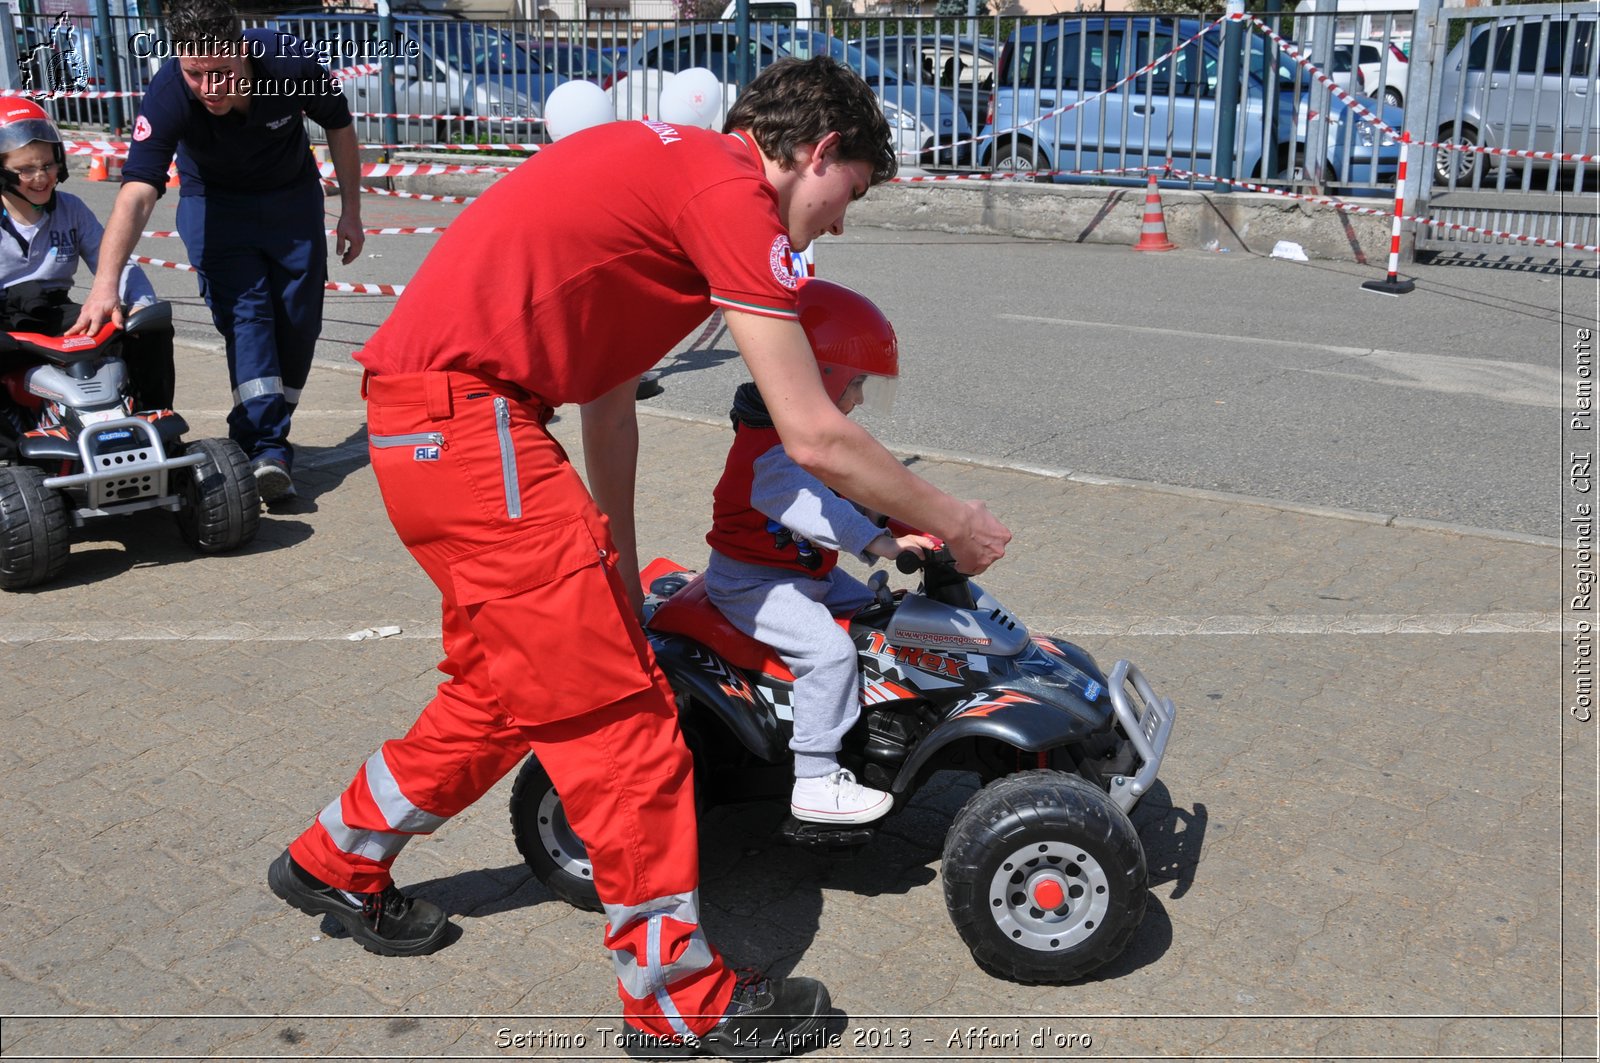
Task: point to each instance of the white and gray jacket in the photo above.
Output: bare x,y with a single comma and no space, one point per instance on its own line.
68,232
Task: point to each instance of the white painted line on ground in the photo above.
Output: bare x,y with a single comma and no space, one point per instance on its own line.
1485,378
24,631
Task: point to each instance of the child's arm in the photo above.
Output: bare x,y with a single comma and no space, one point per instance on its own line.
788,494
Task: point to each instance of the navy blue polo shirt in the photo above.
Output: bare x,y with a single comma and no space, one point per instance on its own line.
262,150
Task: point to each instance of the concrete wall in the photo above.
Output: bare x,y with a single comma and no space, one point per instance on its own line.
1239,221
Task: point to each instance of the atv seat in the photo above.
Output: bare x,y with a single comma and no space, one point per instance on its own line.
691,613
62,350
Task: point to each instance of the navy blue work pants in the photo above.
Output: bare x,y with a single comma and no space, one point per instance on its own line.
263,261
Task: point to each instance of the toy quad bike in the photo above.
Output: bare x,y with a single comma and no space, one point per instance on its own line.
85,452
1044,874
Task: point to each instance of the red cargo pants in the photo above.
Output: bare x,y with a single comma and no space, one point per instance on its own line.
542,653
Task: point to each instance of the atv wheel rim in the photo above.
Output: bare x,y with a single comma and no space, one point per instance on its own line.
557,839
1049,896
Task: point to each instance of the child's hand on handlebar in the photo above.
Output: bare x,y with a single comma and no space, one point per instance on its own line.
891,546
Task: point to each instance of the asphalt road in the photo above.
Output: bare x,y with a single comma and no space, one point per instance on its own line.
1226,372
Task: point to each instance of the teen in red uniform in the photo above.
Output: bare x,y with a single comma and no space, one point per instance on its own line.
561,284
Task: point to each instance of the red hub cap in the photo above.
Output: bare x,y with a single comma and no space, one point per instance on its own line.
1047,894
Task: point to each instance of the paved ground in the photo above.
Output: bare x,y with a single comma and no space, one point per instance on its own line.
1374,835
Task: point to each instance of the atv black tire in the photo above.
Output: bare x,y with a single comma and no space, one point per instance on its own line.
1044,877
35,536
546,840
221,506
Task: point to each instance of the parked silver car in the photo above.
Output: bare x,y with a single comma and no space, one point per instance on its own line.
1522,84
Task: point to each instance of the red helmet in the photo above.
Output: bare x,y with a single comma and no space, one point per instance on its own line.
850,337
22,122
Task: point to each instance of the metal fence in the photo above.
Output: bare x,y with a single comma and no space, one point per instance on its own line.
1521,83
1069,98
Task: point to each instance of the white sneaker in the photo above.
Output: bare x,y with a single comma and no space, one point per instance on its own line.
837,798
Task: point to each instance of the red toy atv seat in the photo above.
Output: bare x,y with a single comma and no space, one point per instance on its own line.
59,348
690,613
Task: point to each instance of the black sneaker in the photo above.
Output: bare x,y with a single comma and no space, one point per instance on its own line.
273,481
767,1017
388,923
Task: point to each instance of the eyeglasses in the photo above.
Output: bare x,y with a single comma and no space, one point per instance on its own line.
29,173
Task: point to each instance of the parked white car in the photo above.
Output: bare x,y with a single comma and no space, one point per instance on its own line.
1380,69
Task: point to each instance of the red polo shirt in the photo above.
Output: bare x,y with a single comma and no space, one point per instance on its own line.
585,265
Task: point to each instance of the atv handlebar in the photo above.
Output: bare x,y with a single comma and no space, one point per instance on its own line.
941,581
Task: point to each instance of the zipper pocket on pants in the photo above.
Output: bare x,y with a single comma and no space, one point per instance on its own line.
508,457
410,439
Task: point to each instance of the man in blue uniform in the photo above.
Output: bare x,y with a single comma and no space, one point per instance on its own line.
231,105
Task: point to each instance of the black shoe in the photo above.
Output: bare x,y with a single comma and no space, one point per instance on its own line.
388,923
767,1017
649,386
272,479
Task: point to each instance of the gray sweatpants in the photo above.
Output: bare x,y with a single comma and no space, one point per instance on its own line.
794,614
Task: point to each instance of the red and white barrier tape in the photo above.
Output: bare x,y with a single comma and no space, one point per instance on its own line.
509,118
162,263
408,230
394,169
332,286
1366,113
365,289
1352,208
1538,241
74,94
1019,175
1294,53
429,197
454,147
1321,201
347,73
1512,153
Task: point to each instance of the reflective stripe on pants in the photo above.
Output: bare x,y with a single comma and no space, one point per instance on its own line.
542,653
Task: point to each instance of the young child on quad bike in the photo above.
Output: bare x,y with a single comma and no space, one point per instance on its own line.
45,234
776,535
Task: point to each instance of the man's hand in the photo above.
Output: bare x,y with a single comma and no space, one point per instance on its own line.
348,238
97,310
980,544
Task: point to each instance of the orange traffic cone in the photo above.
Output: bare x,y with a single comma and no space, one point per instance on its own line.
1153,236
172,175
98,171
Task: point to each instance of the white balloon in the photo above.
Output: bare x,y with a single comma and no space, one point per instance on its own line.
576,105
694,97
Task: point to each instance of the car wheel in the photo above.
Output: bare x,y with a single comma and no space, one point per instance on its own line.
1014,154
221,505
547,842
1044,877
1391,97
1459,167
35,536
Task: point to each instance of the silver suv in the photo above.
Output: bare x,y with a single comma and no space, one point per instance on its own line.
1522,84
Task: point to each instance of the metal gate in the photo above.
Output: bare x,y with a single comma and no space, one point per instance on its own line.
1522,84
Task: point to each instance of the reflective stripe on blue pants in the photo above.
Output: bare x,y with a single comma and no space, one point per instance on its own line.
262,261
